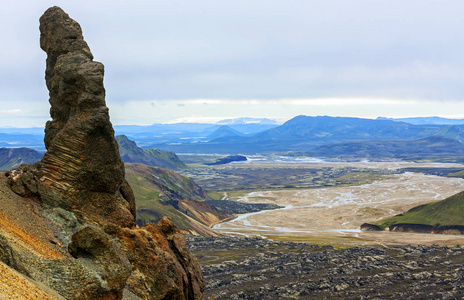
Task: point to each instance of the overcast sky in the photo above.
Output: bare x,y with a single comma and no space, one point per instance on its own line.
202,60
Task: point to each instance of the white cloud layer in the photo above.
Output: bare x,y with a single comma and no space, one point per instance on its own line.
213,110
364,53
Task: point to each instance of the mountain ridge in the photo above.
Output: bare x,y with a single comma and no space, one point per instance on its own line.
306,132
432,120
131,153
14,157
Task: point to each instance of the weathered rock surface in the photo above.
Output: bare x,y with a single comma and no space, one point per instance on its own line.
82,166
162,248
15,285
68,221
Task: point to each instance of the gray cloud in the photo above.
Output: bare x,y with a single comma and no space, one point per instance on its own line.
249,49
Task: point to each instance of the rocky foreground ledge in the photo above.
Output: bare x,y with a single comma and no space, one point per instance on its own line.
253,268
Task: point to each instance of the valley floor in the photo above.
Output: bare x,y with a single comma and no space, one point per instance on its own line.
335,214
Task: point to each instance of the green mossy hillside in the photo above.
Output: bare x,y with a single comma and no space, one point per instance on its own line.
11,158
131,153
161,192
448,212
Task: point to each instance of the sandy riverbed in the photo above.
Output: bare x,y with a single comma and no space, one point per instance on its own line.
338,212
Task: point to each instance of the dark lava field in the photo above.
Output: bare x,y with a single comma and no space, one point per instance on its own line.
253,268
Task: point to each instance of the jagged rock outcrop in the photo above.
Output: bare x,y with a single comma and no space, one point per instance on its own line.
162,248
68,221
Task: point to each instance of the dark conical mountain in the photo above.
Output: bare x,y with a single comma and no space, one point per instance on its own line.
224,131
324,128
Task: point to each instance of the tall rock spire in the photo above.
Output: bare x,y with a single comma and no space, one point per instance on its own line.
82,166
79,193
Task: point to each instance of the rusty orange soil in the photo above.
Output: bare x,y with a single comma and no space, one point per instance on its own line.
15,286
27,240
23,226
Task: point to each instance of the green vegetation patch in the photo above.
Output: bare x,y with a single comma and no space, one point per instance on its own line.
146,195
459,174
215,195
449,212
155,213
158,192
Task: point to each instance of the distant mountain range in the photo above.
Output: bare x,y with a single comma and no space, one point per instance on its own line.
305,133
14,139
145,136
249,135
186,133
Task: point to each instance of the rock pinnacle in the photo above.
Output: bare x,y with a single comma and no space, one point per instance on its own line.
82,169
